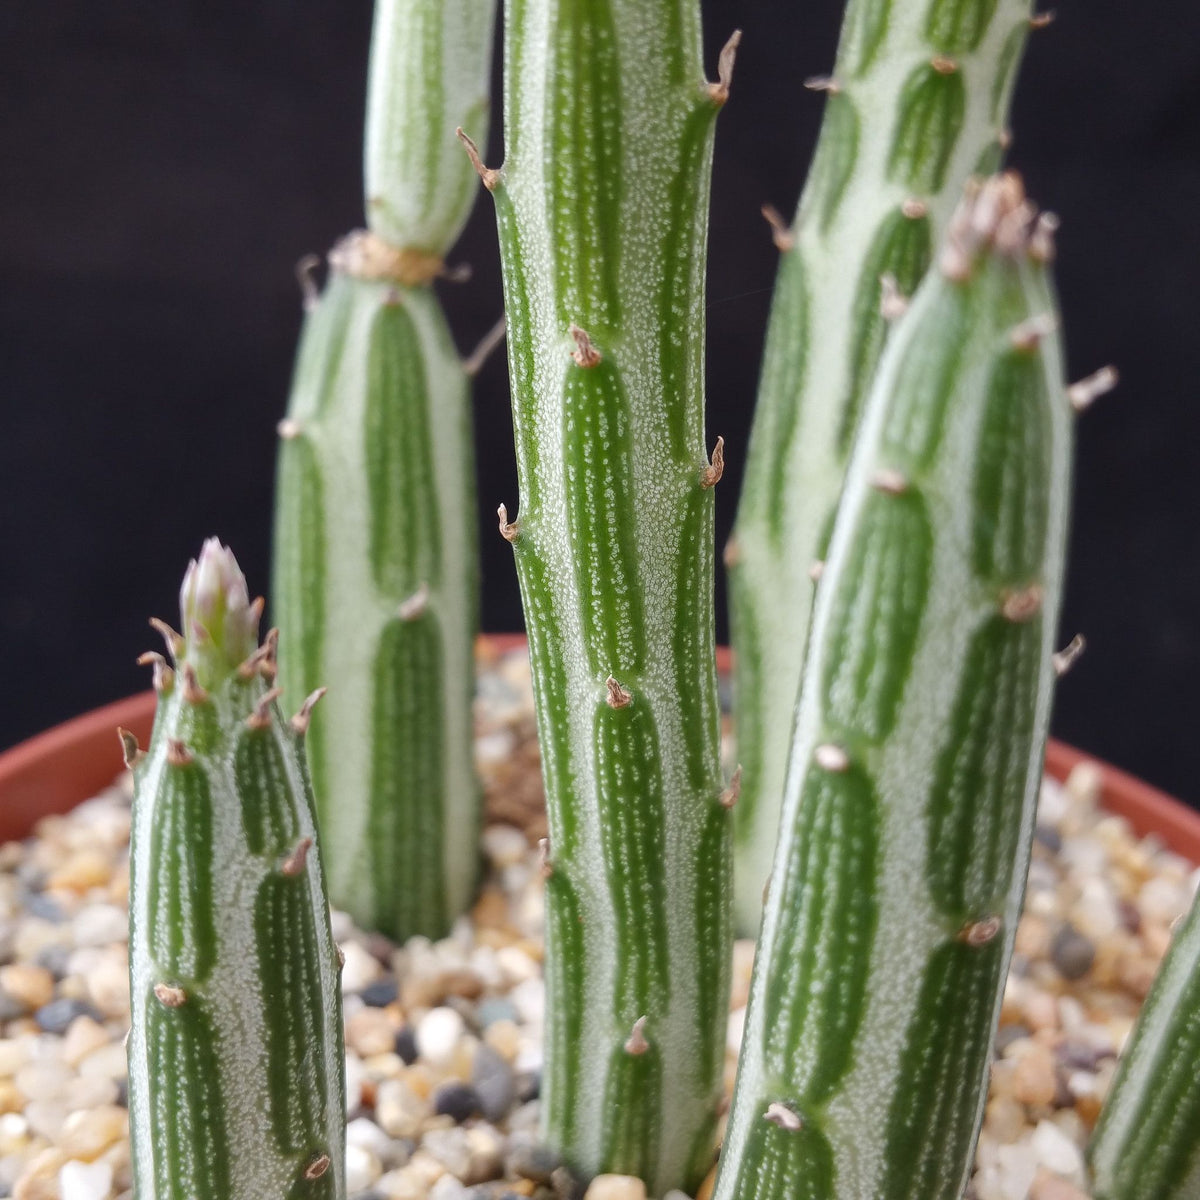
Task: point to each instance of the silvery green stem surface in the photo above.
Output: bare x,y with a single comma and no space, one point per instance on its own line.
376,575
602,206
917,102
917,755
1146,1145
236,1052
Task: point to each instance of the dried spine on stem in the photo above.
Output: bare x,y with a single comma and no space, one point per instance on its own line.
917,755
918,102
376,576
602,205
236,1053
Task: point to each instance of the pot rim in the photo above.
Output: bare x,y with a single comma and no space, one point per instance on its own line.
53,771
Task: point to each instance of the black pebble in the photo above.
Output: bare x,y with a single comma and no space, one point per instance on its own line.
1073,954
380,993
56,1017
529,1086
457,1100
406,1045
54,959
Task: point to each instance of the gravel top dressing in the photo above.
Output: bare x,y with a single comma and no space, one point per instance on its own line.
443,1039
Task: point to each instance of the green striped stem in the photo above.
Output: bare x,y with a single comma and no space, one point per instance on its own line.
236,1064
918,101
1146,1145
376,573
917,755
602,207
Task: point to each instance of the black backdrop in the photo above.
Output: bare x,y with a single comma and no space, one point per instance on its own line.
164,165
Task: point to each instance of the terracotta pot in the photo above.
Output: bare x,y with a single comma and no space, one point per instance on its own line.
65,765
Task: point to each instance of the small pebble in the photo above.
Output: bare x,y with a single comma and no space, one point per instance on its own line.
381,992
456,1100
85,1181
58,1015
29,986
1072,953
494,1082
405,1045
616,1187
531,1160
437,1035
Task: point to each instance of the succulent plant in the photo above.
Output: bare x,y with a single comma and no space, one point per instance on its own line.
602,206
918,101
376,576
917,755
235,1054
1146,1145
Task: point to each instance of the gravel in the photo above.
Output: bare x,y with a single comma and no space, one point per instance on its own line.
444,1038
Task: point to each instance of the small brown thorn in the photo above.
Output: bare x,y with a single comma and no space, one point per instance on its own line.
893,304
317,1167
164,677
306,277
784,1117
131,752
1028,335
1082,394
1043,19
1021,604
341,957
979,933
890,481
489,176
831,757
169,996
545,866
1064,659
636,1043
174,640
149,656
492,340
719,92
411,608
301,721
257,607
268,668
914,209
585,353
178,755
710,475
193,693
943,64
729,797
289,429
248,668
508,529
617,697
293,865
823,83
817,569
781,235
1041,240
732,554
260,718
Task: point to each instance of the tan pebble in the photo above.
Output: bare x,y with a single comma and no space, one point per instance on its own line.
516,964
425,1167
87,1134
487,1154
464,1057
504,1037
28,985
419,1080
370,1031
1088,1107
39,1181
1136,973
118,888
399,1112
1156,938
401,1185
533,948
1033,937
616,1187
490,911
109,1062
84,869
1004,1119
1047,1186
83,1036
108,983
14,1054
1034,1082
73,987
1041,1011
743,963
12,1100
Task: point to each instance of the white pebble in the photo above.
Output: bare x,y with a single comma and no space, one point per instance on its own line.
359,969
100,925
364,1133
43,1080
362,1168
356,1076
1055,1151
85,1181
516,964
529,999
505,845
447,1188
616,1187
437,1035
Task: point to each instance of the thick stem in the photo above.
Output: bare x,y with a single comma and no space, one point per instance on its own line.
918,101
602,206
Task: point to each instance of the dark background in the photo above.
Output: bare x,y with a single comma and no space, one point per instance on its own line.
164,165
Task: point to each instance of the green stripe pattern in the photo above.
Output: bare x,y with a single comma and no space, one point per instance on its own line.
236,1051
918,100
602,207
913,779
1146,1145
375,573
